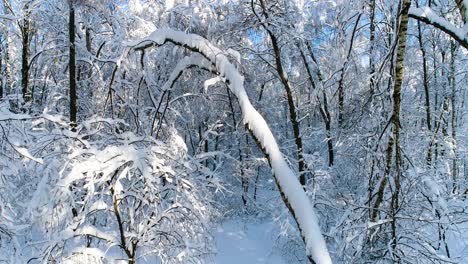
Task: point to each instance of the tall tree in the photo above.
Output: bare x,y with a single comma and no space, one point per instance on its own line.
323,101
372,82
341,81
6,51
427,104
25,29
394,141
287,86
1,70
453,103
72,65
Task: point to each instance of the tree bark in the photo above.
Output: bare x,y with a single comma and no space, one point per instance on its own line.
462,8
1,71
7,79
25,27
372,46
323,106
453,101
394,142
72,66
343,71
327,119
426,91
292,108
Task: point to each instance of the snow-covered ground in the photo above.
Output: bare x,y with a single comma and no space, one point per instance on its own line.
245,242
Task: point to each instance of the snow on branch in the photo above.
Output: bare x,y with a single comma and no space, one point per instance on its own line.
426,15
90,231
25,153
186,63
7,17
292,192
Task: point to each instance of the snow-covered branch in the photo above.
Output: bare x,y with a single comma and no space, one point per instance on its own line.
292,192
7,17
426,15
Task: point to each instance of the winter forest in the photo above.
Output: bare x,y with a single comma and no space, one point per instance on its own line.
233,131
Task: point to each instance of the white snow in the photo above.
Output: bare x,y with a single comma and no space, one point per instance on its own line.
234,53
285,176
169,4
135,6
211,82
25,153
92,231
5,115
7,17
433,191
244,242
185,63
426,12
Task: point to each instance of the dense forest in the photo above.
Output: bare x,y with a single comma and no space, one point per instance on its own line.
202,131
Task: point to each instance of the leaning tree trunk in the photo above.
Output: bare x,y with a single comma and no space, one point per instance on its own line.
291,191
7,65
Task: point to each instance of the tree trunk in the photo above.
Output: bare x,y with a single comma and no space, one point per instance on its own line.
372,46
426,91
436,100
453,97
7,65
25,28
1,70
327,119
7,78
343,71
244,179
322,106
462,8
394,142
292,108
72,66
445,104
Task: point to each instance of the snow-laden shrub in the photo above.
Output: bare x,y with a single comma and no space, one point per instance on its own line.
128,198
99,195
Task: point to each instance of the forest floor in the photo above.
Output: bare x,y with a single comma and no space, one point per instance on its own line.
246,241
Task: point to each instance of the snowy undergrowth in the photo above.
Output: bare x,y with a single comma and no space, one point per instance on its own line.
100,195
